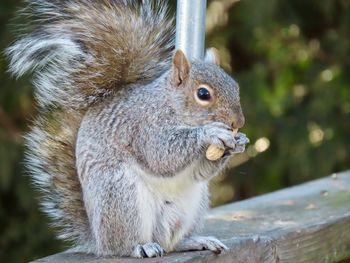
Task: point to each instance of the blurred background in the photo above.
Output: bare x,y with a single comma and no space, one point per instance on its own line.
292,60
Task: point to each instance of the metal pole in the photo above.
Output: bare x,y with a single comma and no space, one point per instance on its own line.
190,27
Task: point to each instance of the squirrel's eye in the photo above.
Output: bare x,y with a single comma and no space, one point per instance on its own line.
203,94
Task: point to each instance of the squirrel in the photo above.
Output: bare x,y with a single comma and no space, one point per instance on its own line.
118,149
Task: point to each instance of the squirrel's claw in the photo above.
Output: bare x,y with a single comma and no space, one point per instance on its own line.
148,250
241,139
201,243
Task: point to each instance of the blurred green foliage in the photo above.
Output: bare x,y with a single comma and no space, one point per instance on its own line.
292,61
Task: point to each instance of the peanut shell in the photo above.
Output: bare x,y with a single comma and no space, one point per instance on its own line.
214,153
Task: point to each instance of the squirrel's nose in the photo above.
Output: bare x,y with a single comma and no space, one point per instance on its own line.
238,120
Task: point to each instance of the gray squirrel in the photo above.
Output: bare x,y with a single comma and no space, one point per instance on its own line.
118,149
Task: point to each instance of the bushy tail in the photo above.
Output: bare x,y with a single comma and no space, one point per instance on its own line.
84,50
80,52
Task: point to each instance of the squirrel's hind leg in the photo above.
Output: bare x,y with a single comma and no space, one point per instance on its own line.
201,243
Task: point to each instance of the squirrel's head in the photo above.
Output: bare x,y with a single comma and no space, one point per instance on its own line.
207,92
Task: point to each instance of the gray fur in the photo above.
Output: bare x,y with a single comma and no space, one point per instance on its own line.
119,147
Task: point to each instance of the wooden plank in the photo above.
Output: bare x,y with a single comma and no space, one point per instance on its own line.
305,223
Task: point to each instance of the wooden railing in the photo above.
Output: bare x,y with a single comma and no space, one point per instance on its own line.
305,223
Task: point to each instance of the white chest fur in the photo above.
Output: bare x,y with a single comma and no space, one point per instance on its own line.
169,206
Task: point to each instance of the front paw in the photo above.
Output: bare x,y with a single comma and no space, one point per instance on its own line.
241,141
201,243
148,250
218,134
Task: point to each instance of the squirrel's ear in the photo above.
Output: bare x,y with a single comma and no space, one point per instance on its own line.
212,56
181,67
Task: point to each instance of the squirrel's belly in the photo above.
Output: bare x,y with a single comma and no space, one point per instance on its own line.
181,216
170,207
